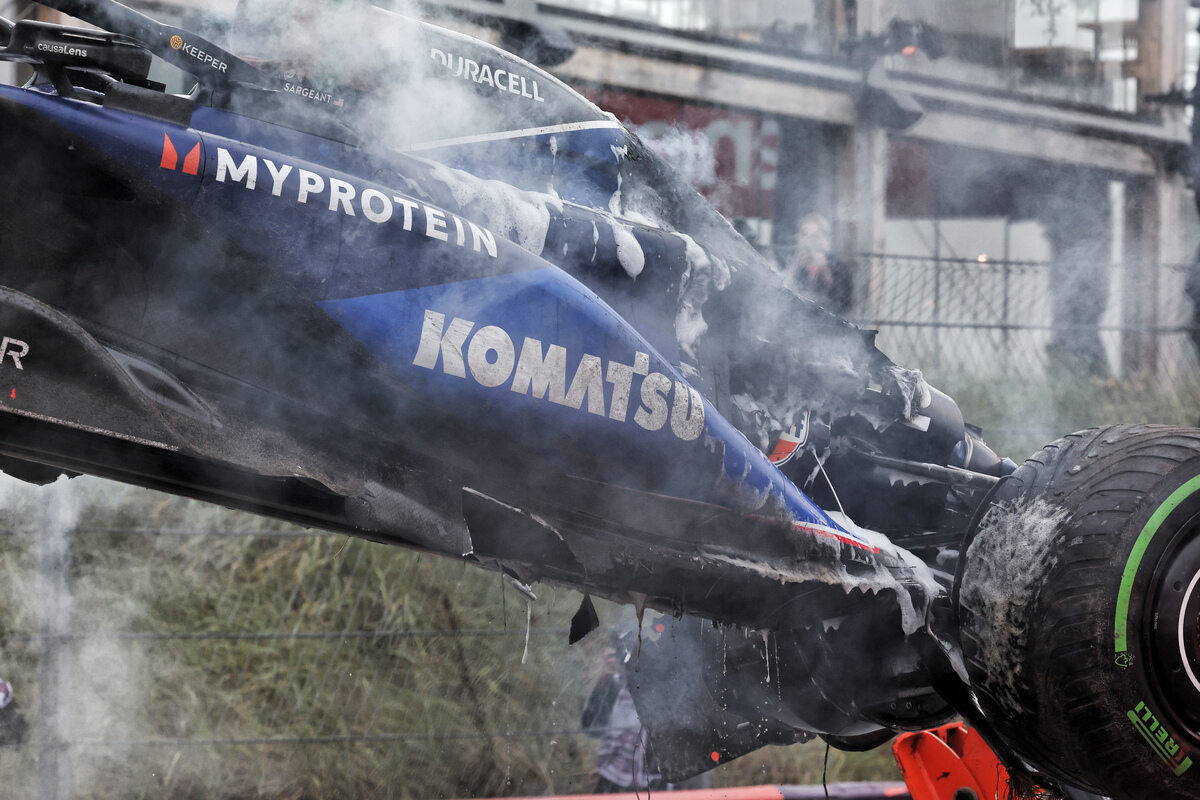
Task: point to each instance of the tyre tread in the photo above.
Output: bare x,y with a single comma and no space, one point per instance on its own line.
1102,477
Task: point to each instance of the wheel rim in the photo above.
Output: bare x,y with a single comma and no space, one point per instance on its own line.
1189,631
1173,623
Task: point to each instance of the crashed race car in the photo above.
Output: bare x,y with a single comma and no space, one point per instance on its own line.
409,287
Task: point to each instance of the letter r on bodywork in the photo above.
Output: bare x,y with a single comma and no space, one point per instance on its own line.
14,349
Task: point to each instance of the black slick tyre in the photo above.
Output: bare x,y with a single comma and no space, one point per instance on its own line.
1079,608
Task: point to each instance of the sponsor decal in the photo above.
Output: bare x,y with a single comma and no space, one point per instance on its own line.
343,197
62,49
1161,742
490,357
618,391
207,59
500,79
309,93
14,349
170,157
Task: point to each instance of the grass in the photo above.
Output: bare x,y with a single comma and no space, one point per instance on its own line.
433,663
1018,419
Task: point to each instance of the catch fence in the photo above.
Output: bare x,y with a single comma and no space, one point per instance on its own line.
246,661
161,647
1034,349
981,318
237,658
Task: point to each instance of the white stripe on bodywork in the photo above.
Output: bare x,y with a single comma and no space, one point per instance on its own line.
566,127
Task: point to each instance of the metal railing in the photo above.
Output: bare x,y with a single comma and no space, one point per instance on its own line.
1033,350
981,318
974,43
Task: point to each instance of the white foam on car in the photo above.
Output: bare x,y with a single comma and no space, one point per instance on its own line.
629,252
1005,564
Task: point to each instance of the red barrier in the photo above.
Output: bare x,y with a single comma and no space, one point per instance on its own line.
950,763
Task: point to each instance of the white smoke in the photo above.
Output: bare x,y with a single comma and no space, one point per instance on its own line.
689,152
87,701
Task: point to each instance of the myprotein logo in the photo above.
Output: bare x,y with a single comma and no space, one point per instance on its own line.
170,157
343,197
489,356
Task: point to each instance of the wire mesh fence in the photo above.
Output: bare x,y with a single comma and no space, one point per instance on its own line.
241,660
960,316
1032,350
195,652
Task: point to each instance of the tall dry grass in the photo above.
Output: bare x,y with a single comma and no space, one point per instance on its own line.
430,692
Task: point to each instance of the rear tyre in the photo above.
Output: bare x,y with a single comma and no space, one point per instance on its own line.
1079,604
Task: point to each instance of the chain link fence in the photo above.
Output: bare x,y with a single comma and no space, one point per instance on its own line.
159,647
1036,349
231,657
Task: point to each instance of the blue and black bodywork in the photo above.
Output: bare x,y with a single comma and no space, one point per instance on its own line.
459,308
519,341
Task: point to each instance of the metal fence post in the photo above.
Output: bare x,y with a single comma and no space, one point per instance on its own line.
54,562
